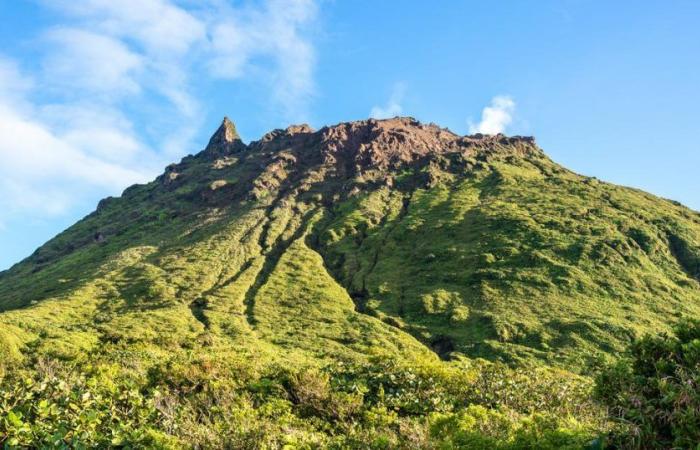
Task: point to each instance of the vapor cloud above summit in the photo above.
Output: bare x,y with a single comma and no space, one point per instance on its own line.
393,106
496,117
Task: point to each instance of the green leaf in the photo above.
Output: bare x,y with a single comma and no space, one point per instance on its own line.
14,419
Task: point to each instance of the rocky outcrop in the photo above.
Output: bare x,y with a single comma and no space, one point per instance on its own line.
225,140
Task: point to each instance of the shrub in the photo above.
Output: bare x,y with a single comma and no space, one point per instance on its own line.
206,402
654,390
481,428
73,410
312,393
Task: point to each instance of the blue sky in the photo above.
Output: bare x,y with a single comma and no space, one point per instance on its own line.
97,94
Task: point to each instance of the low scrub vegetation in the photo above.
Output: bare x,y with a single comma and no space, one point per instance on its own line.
377,404
654,393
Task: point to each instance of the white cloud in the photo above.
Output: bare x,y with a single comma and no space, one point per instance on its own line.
393,107
495,117
240,38
268,43
159,26
20,197
11,80
96,62
29,149
44,171
129,46
13,84
40,169
76,127
97,130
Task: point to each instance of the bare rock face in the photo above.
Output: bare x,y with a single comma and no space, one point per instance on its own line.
225,140
299,129
335,159
381,144
367,144
384,144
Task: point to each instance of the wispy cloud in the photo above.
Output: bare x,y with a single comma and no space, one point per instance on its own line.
274,33
393,107
158,26
70,127
99,64
13,84
128,47
52,153
41,170
167,43
496,117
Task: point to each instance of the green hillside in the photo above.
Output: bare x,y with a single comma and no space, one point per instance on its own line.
367,284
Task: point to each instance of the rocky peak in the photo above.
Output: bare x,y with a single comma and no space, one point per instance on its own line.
225,140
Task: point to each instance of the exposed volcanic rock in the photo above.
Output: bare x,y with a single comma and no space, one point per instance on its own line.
381,144
384,144
225,140
370,149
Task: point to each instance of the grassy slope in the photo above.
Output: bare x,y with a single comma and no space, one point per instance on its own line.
522,260
509,257
145,297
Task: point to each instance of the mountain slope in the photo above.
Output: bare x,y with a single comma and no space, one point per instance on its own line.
375,236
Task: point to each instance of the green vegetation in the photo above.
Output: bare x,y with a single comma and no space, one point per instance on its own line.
515,264
654,390
376,404
357,287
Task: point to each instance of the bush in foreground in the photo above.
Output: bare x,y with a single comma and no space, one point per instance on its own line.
655,392
375,405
